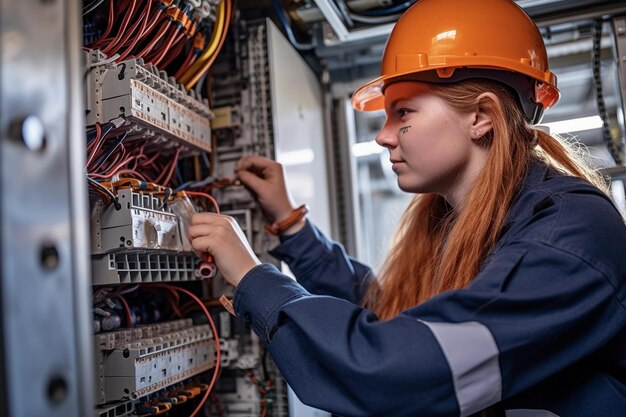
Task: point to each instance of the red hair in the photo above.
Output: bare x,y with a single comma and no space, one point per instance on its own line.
439,249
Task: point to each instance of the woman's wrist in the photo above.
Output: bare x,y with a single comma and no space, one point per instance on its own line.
294,229
284,213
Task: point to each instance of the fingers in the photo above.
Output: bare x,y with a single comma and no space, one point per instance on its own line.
205,218
208,229
254,162
250,180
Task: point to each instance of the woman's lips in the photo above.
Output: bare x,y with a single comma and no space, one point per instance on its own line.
395,164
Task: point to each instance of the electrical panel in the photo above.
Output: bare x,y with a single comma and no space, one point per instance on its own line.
146,122
168,116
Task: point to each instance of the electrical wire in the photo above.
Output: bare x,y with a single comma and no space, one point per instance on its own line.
192,184
288,30
132,36
114,148
208,56
127,310
210,49
597,77
166,176
205,195
344,12
144,25
103,190
387,10
375,20
92,6
122,30
218,355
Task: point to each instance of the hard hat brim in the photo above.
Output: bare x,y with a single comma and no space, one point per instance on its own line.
370,96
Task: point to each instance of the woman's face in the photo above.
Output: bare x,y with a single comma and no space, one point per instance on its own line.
429,143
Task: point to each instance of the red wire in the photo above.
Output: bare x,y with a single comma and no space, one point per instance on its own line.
122,31
175,53
117,157
129,321
158,36
205,195
97,138
104,41
132,172
153,22
138,26
218,355
173,168
166,175
191,58
119,166
95,145
108,28
131,46
165,48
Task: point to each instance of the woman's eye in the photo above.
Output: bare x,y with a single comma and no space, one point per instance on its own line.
403,112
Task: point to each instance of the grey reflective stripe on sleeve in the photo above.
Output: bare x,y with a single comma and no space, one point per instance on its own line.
529,413
472,356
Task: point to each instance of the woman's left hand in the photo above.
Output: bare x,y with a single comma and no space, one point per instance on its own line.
222,237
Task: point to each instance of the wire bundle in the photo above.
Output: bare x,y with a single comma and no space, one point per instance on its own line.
265,389
118,153
171,35
161,403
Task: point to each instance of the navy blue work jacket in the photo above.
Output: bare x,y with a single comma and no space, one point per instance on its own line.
541,330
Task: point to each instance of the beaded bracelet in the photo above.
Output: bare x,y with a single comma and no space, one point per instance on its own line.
294,217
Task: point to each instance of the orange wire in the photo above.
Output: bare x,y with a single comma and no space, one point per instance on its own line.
205,195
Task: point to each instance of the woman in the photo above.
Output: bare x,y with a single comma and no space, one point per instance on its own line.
505,292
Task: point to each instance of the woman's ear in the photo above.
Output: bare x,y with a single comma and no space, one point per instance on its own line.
482,124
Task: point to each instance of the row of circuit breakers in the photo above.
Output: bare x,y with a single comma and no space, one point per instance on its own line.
155,352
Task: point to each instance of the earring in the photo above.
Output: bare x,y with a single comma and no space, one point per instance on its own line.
477,133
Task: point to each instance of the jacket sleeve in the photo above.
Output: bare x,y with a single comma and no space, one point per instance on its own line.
536,308
518,324
322,266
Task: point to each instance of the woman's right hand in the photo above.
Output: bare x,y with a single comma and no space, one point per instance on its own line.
266,181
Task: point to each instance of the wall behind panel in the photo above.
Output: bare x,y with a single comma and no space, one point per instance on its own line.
299,127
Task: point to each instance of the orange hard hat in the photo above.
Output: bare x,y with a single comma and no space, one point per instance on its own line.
445,41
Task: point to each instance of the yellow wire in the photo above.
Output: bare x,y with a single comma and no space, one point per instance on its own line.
207,64
211,47
196,167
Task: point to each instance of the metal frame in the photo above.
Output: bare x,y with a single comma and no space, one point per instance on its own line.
45,317
343,34
619,32
584,11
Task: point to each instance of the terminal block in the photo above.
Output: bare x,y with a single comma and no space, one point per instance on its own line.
141,241
136,362
148,98
143,222
127,268
119,409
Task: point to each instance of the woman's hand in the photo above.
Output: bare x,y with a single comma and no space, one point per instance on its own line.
266,181
222,237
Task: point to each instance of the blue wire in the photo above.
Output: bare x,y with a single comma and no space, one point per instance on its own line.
389,10
193,184
288,30
205,158
179,175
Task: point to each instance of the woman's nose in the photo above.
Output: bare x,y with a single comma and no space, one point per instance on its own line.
386,138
